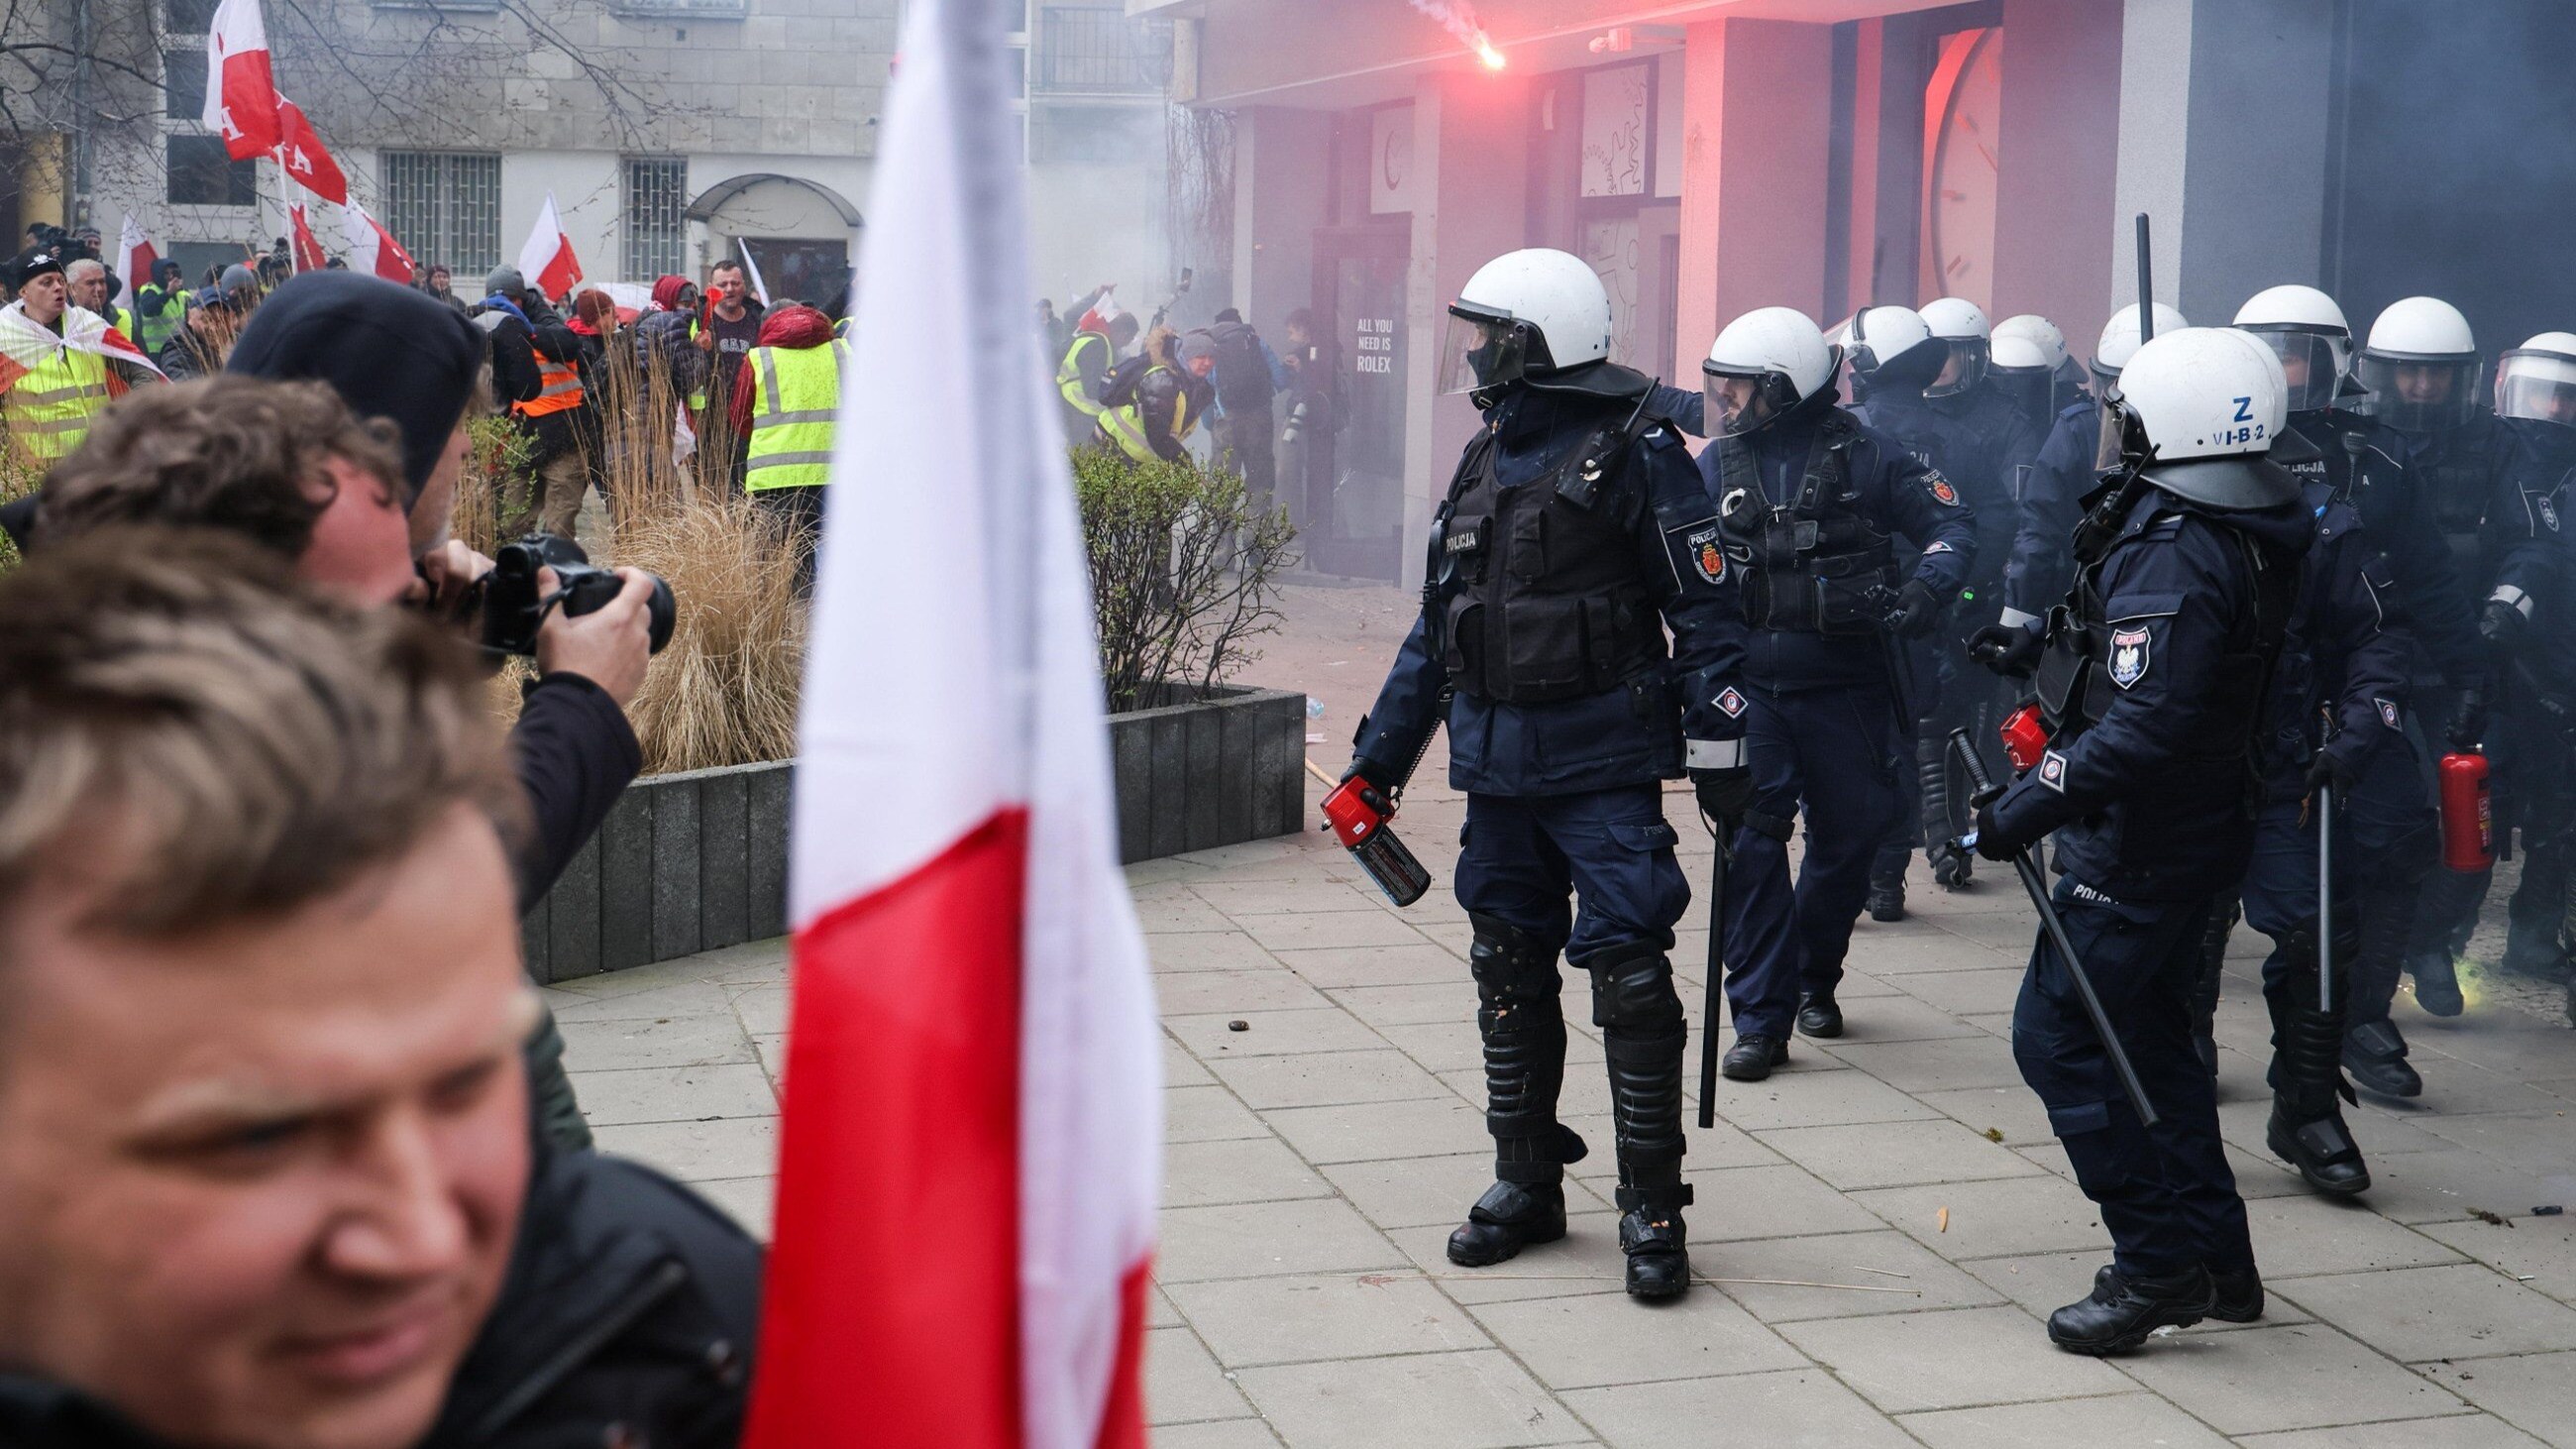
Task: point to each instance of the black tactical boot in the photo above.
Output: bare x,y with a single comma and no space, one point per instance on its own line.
2375,1055
2437,984
1752,1057
1652,1234
1523,1023
2121,1311
1818,1015
2236,1296
1951,866
2307,1128
1509,1217
1887,898
2536,914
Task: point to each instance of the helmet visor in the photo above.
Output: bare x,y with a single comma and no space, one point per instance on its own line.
1740,401
1477,350
2111,449
2420,394
2538,387
2032,389
2313,361
1964,368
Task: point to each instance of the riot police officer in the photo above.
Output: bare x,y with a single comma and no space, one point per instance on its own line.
2152,675
2052,495
1573,533
1811,503
2037,344
2486,481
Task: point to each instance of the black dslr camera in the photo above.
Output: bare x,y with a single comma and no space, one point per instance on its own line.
513,608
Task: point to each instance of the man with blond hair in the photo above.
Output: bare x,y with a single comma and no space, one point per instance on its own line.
268,1178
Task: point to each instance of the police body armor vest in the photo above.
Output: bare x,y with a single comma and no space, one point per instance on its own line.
1814,563
2074,680
2458,484
1546,602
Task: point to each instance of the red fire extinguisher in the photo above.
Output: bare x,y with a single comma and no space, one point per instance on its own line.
2468,813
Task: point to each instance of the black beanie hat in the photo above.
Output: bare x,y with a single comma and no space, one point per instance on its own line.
388,351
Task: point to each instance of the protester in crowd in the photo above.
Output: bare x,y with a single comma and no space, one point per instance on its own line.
594,325
1313,412
441,287
536,374
1247,375
786,409
1096,336
48,408
730,328
160,308
1153,402
93,288
269,1178
667,344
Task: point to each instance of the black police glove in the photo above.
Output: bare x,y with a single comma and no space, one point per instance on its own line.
2331,767
2501,625
2011,650
1368,770
2468,722
1724,794
1917,610
1992,843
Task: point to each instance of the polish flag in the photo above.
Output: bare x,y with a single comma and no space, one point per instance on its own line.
969,1153
751,271
308,252
547,260
135,256
26,345
372,248
301,154
241,91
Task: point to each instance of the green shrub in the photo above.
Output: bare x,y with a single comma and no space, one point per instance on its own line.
1183,567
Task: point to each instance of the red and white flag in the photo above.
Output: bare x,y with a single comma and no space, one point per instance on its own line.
135,257
546,261
26,345
308,252
241,90
971,1141
301,155
751,271
372,248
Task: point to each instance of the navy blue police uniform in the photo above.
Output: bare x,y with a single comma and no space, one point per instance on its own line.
2153,680
2337,714
1813,503
1573,533
2041,570
2495,488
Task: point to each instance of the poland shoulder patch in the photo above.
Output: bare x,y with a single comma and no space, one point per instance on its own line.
1730,703
2128,656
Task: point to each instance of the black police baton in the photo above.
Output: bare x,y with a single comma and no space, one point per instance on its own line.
1716,972
2033,882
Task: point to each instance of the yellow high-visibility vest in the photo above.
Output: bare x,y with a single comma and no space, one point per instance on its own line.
1068,375
1125,426
795,405
160,322
47,413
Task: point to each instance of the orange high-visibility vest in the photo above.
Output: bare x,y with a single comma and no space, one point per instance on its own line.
562,389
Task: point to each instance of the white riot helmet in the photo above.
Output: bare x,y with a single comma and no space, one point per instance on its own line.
1525,314
1781,351
2020,369
2421,366
1892,347
2305,328
1961,325
2120,338
2199,409
2537,381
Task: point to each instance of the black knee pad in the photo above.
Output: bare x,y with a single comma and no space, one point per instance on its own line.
1632,990
1511,966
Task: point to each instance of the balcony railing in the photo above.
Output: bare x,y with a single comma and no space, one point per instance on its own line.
1087,52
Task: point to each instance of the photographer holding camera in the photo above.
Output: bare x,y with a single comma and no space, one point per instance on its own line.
355,481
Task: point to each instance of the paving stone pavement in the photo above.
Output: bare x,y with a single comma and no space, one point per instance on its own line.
1317,1158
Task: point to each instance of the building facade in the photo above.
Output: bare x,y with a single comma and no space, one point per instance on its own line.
671,133
1711,156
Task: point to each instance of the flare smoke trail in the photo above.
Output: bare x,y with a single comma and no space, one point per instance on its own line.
1459,18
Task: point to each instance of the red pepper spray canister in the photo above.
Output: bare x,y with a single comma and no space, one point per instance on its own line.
2025,737
2468,813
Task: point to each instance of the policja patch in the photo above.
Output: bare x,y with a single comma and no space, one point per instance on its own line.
2128,656
1705,554
1941,488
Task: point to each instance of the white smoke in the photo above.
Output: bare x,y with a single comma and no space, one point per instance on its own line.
1459,18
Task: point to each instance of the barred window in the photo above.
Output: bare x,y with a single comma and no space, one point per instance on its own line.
183,75
657,234
446,207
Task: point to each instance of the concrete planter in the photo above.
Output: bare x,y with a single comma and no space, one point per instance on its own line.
692,862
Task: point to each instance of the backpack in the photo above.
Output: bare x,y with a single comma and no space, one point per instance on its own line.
1118,389
1241,374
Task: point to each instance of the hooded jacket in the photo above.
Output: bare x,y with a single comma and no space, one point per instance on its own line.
666,338
388,351
795,327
